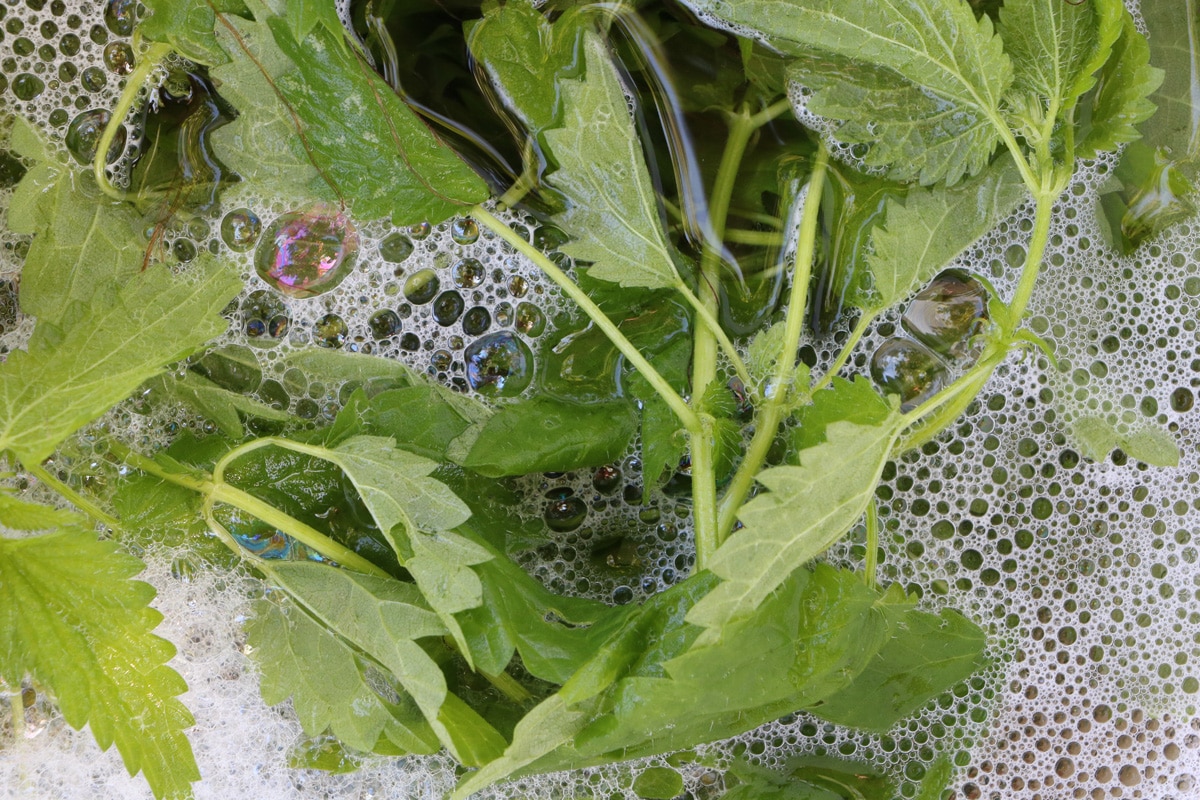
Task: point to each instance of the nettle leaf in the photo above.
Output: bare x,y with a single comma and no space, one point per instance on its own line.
19,515
930,227
546,435
920,81
305,15
71,618
365,139
1122,102
612,210
383,618
807,508
1097,436
82,241
224,407
328,683
524,55
262,144
856,401
423,419
927,654
187,25
1056,47
74,373
807,778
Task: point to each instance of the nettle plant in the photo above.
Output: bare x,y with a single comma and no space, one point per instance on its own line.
945,118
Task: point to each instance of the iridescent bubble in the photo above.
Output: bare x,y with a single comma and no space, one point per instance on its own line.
504,314
530,319
468,273
395,247
419,231
307,253
421,287
499,365
948,313
448,308
118,57
330,331
240,229
908,369
83,136
464,230
120,15
27,86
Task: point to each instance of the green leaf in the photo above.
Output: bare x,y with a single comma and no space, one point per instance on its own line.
806,509
1056,48
262,144
612,211
19,515
187,25
382,157
930,227
71,618
807,778
328,683
83,242
936,780
926,656
167,515
223,407
919,81
546,435
524,55
104,351
1123,98
423,419
1097,436
305,15
658,783
854,401
383,618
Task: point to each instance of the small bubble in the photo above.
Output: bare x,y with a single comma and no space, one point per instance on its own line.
548,237
262,311
184,250
468,273
622,595
1182,399
476,321
93,79
447,308
530,319
948,313
908,369
504,314
499,364
27,86
565,514
422,286
120,15
307,253
441,360
606,479
518,286
420,231
384,323
330,331
70,45
395,247
240,229
464,230
11,170
118,57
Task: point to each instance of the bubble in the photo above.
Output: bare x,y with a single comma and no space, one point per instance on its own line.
11,170
70,45
27,86
264,318
307,253
420,231
464,230
22,46
518,286
476,321
530,319
93,79
548,237
384,323
448,308
1182,399
422,286
240,229
118,57
395,247
120,16
83,136
330,331
499,365
468,273
184,250
948,313
908,369
565,514
606,479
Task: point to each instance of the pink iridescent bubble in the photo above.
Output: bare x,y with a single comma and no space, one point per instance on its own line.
307,253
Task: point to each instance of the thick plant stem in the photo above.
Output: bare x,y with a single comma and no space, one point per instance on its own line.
686,415
1033,261
767,423
871,563
150,60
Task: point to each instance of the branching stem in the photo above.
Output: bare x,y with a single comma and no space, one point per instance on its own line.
134,84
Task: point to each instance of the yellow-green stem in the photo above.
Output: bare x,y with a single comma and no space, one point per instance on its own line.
686,415
871,563
149,61
860,329
771,415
